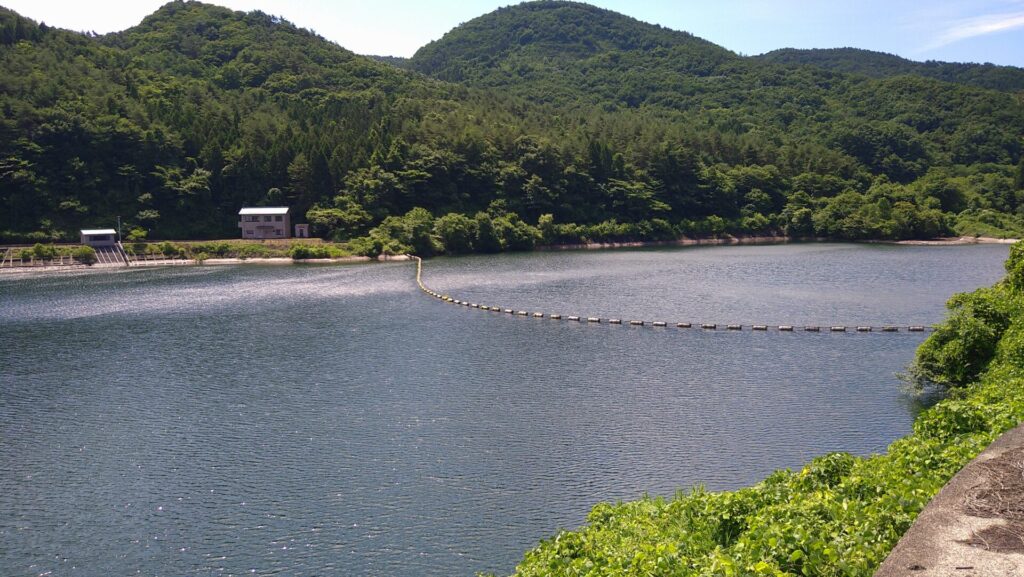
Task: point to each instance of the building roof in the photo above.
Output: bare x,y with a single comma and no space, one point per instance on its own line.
96,231
264,210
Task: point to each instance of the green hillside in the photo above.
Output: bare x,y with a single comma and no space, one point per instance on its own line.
882,65
177,122
567,51
552,122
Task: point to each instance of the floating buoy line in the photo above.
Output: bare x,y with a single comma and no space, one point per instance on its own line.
664,324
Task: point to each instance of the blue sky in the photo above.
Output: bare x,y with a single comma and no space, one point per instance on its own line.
951,30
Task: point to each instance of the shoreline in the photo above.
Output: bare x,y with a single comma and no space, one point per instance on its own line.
955,241
269,261
768,240
685,241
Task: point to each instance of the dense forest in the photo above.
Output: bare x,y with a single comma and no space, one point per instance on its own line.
882,65
546,122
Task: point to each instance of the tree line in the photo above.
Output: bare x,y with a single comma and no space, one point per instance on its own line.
175,124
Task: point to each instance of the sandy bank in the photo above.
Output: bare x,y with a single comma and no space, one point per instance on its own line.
958,241
755,240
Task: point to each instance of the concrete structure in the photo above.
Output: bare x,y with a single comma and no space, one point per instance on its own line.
264,222
302,231
98,237
974,527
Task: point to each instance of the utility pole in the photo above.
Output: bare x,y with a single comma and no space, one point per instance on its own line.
119,228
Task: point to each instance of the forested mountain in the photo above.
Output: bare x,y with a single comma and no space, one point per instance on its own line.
566,51
546,121
882,65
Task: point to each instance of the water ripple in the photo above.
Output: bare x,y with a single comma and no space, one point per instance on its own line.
332,420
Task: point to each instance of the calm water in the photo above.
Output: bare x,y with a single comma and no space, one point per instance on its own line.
334,421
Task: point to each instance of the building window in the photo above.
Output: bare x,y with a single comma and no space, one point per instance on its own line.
278,218
266,218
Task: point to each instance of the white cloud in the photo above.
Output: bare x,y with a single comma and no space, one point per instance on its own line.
977,26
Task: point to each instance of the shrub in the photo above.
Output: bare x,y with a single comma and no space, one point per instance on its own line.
85,255
956,353
302,251
168,249
44,251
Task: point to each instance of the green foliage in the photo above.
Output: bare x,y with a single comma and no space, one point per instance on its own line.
959,349
882,65
137,234
411,233
550,108
457,232
346,219
989,223
85,255
307,251
838,515
44,251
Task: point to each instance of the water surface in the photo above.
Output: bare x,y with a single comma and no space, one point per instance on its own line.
333,420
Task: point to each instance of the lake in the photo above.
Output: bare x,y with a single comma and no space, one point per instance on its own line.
333,420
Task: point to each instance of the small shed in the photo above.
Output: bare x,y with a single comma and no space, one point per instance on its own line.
302,231
98,237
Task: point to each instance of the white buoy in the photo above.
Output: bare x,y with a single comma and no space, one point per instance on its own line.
593,320
710,326
659,323
916,329
615,321
838,329
555,316
759,327
786,328
863,329
637,323
734,327
684,325
574,318
538,315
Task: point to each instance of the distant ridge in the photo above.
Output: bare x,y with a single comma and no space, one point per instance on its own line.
557,116
883,65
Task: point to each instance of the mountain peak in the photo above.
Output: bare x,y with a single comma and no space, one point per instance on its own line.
542,37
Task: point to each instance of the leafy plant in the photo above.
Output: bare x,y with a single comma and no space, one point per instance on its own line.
85,255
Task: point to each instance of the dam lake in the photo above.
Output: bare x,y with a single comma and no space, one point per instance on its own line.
334,420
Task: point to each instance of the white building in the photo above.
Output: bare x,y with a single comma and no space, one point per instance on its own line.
98,237
264,222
